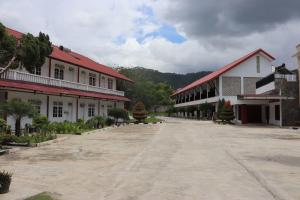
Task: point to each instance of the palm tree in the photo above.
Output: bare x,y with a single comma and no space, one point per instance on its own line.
18,110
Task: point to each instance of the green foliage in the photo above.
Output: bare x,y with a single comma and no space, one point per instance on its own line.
118,113
221,104
18,109
109,121
41,196
152,119
40,122
227,113
139,111
152,87
171,110
140,74
30,51
5,180
3,126
29,139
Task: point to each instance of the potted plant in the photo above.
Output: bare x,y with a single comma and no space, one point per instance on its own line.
5,180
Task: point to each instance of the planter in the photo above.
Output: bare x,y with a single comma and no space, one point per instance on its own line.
3,151
5,180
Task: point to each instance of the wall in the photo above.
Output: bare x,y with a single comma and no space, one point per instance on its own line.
25,97
250,84
69,107
231,86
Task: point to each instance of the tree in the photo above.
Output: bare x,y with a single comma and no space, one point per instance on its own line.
227,113
118,113
28,52
18,110
220,107
139,112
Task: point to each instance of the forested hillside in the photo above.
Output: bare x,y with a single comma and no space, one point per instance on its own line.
174,80
152,87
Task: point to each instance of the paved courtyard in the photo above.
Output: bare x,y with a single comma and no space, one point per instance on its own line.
176,160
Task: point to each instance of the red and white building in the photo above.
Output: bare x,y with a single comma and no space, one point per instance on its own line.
237,83
69,86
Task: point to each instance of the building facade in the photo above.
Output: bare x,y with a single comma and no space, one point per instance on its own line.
235,82
69,86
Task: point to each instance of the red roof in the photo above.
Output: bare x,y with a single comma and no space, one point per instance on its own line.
76,59
222,70
58,90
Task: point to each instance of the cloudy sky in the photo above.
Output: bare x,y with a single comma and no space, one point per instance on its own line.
167,35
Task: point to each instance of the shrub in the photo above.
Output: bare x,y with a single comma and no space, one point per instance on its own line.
3,125
118,113
109,122
227,113
220,107
39,122
139,111
5,180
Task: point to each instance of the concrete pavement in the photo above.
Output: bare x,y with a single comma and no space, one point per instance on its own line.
177,160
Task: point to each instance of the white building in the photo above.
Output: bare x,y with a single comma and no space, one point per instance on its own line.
235,82
69,86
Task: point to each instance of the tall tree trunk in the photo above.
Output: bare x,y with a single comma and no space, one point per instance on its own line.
18,127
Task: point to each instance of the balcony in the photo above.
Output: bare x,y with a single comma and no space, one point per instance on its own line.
24,76
268,83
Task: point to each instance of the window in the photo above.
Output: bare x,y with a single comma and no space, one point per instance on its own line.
110,83
277,112
59,73
92,79
36,104
257,64
57,109
91,110
36,70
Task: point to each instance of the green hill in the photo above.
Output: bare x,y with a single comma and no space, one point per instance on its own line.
140,74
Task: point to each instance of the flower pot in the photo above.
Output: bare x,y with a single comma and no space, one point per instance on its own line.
4,187
5,180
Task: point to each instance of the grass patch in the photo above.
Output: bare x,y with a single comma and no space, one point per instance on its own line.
41,196
152,119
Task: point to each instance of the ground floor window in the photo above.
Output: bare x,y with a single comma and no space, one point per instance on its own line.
36,104
91,110
57,109
277,112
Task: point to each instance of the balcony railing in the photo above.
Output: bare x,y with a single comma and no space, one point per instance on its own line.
272,77
24,76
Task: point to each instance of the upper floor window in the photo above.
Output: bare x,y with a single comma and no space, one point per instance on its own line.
110,83
59,73
91,110
92,79
36,70
57,109
258,64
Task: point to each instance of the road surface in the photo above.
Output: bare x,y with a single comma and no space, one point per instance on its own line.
177,160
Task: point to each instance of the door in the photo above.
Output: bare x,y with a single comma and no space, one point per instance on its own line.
254,113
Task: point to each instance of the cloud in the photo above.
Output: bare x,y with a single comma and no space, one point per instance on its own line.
228,18
170,35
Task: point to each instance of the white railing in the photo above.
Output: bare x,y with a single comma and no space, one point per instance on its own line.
24,76
288,77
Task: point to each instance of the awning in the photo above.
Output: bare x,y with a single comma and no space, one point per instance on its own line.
58,90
